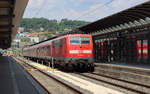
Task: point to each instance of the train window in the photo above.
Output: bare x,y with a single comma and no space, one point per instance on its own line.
85,40
60,42
142,48
43,49
46,48
74,40
38,50
78,40
57,43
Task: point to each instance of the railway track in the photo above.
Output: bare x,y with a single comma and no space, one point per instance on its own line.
28,66
140,71
132,74
133,87
38,82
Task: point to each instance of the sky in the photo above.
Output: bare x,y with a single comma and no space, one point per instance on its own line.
87,10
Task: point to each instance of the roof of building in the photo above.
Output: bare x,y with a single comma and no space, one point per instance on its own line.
127,18
11,12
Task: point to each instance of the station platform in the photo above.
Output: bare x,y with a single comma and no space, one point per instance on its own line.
14,80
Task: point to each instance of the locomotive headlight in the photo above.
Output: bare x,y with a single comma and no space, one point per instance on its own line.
74,51
87,51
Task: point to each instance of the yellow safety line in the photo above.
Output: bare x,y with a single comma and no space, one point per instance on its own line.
33,69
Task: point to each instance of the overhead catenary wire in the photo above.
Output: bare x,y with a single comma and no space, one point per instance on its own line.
87,13
106,4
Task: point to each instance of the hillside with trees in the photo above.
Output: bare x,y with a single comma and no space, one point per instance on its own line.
43,24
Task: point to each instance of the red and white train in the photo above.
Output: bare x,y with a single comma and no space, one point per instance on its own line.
72,52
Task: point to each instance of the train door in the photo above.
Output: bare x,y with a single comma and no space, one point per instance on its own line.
130,50
99,50
142,50
100,46
107,51
96,50
113,50
64,47
37,51
148,47
119,49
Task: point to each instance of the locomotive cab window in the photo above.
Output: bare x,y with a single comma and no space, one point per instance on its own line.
74,40
85,40
80,40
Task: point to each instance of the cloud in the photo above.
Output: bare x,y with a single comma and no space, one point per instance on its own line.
89,10
35,3
99,11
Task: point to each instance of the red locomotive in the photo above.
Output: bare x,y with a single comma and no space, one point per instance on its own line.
72,52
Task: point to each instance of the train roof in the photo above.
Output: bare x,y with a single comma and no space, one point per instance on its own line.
50,39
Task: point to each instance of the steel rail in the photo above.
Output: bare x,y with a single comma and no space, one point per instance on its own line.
121,80
24,67
113,84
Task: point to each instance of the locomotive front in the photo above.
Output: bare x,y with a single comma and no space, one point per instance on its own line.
80,50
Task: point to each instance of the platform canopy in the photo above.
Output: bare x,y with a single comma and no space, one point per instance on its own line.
132,17
11,12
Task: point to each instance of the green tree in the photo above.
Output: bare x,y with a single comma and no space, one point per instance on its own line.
50,25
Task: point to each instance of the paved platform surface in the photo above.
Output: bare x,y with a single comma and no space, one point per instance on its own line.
14,80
